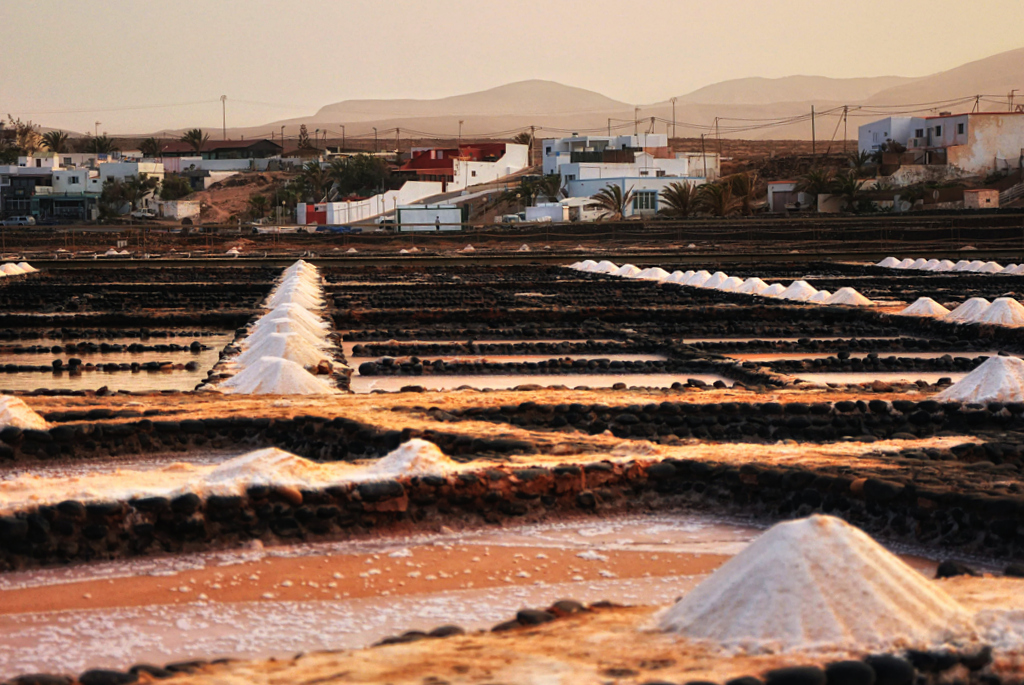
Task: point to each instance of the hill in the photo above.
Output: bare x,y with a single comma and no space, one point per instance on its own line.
764,91
995,75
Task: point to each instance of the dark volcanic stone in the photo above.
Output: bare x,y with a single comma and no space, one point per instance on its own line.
948,569
795,675
533,617
849,673
891,670
381,490
99,676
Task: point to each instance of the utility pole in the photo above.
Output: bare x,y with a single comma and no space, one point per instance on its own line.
398,140
529,150
845,110
1011,99
977,103
460,132
636,121
224,117
375,139
673,117
813,141
704,156
609,127
282,138
342,137
718,136
96,131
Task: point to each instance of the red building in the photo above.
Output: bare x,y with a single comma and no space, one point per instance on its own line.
438,164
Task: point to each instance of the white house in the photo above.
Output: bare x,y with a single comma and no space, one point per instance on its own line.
646,190
783,195
122,170
871,137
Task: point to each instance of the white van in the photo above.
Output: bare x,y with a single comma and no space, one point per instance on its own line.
19,221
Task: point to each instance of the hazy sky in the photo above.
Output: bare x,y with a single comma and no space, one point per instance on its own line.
121,62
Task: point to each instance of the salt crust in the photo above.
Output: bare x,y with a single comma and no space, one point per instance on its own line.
270,466
925,306
849,296
14,412
998,379
818,584
275,376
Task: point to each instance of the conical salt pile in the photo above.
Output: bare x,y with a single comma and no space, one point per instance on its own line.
27,268
976,265
998,379
290,346
945,265
962,265
888,262
276,376
606,267
931,265
820,297
990,268
677,277
849,296
718,279
774,290
656,274
1008,269
698,279
730,284
587,265
1004,311
627,271
799,291
969,311
293,311
14,412
925,306
818,583
918,264
752,286
905,264
11,269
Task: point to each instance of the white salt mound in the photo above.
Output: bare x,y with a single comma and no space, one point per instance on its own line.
627,271
969,311
587,265
990,268
14,412
818,583
774,290
1008,269
285,324
276,376
11,269
1004,311
799,291
905,264
606,267
998,379
656,274
931,265
888,262
718,279
962,265
27,268
677,277
290,346
945,265
976,265
698,279
820,297
730,284
849,296
918,264
524,248
925,306
752,286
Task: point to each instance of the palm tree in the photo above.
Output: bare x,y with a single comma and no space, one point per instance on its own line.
101,145
135,188
150,147
315,179
523,138
524,193
716,199
196,138
550,186
680,200
56,141
612,201
744,189
26,137
258,206
847,187
859,162
816,182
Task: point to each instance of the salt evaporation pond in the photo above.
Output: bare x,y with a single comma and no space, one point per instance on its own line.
138,381
73,640
884,376
367,384
790,356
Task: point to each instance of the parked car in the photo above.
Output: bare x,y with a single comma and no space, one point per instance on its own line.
144,214
19,221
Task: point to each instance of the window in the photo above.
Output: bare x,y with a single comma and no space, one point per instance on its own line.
645,199
73,180
472,173
960,129
547,150
938,130
919,133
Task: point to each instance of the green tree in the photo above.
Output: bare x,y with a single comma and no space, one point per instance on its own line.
111,200
679,200
26,138
550,186
150,147
258,206
136,188
612,201
817,181
56,141
196,139
717,199
359,175
519,196
175,187
100,145
523,138
860,163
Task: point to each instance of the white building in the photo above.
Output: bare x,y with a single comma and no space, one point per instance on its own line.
122,170
646,190
975,143
871,137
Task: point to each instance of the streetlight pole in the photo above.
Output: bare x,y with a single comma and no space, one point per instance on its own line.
460,132
96,131
224,117
282,138
375,139
342,137
673,117
636,121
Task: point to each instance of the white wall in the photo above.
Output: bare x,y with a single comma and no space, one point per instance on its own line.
554,211
123,170
71,181
871,137
341,213
466,174
429,218
589,187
